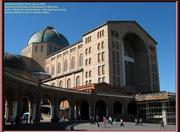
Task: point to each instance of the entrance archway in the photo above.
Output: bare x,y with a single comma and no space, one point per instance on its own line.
46,110
64,110
26,109
84,110
136,62
100,109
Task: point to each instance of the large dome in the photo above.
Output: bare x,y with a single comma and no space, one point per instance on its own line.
49,35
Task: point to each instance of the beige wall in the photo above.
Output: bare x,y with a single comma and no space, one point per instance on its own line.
92,50
93,55
27,51
37,51
60,57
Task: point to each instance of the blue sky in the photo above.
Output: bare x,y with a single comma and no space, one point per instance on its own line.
158,19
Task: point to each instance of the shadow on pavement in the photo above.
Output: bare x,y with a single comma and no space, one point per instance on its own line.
45,126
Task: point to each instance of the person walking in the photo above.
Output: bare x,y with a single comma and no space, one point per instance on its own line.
140,121
104,120
12,119
121,122
97,121
162,123
136,121
110,120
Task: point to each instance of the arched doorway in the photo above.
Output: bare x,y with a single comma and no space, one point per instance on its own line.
26,109
84,110
136,63
132,108
46,110
64,110
100,109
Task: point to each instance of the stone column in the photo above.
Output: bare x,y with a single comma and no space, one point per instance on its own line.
19,111
33,111
107,111
110,108
73,111
70,112
6,110
19,108
52,112
92,109
36,108
14,108
89,112
30,111
55,112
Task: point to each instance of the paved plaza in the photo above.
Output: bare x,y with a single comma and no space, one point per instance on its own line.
127,126
85,126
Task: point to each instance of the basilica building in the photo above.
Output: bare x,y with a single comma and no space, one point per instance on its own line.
119,53
111,70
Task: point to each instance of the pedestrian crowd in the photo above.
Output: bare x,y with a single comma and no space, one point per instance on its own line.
107,121
138,121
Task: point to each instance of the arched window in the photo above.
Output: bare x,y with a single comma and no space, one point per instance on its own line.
102,32
86,51
86,62
99,57
69,83
53,84
59,68
97,34
65,65
60,84
99,70
77,81
98,46
89,50
102,56
81,60
72,63
103,70
89,61
102,45
89,73
86,74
